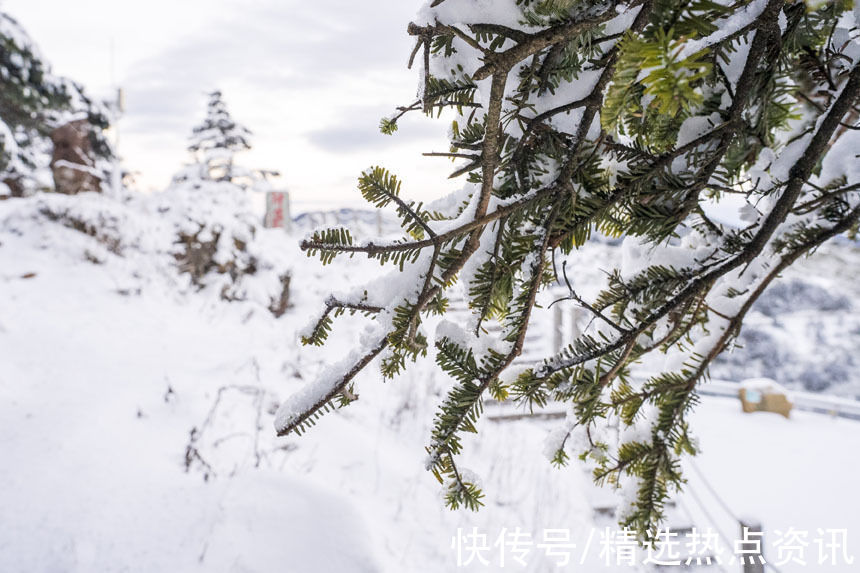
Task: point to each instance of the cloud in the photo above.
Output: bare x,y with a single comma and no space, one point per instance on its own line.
357,129
310,79
322,72
272,46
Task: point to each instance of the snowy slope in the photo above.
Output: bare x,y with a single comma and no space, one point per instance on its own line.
106,368
784,473
805,331
136,414
136,418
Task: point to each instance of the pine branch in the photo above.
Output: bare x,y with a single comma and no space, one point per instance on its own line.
549,182
800,172
320,330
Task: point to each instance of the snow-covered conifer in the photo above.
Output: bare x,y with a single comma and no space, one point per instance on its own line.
216,141
625,118
33,103
218,244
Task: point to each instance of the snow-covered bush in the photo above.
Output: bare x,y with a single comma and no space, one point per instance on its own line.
219,240
208,240
220,244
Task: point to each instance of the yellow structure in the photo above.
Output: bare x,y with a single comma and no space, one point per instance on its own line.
764,395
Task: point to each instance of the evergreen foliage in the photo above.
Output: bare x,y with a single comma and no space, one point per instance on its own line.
33,102
216,141
625,118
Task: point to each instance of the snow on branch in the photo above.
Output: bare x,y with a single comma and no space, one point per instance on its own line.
624,119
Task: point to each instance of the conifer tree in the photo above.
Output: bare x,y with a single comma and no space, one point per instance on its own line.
215,142
631,118
33,102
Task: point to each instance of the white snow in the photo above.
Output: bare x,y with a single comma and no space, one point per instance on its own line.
725,28
108,366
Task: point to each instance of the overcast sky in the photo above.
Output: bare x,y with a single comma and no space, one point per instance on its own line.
310,78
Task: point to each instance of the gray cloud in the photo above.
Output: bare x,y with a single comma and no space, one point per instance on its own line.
358,130
273,46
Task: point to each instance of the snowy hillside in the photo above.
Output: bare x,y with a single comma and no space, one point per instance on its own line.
137,409
151,342
804,331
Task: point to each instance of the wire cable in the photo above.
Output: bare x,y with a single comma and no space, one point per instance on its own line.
713,491
722,504
707,515
690,515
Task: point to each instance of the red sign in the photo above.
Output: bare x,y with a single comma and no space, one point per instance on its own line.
277,210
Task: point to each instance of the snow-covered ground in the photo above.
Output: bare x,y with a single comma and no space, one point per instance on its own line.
136,431
795,473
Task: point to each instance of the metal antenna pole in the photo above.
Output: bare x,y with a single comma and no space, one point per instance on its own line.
117,107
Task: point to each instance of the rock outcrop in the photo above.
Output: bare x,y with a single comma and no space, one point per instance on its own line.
72,162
